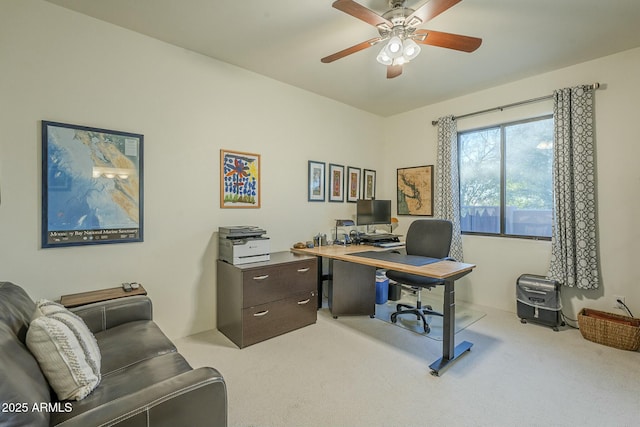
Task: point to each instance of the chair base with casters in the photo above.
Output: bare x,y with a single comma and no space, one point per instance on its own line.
419,311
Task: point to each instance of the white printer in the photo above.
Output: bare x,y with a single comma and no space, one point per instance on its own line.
243,244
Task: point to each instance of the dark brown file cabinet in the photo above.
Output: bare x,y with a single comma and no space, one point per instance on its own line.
261,300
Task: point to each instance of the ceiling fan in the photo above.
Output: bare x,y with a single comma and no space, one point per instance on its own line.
398,27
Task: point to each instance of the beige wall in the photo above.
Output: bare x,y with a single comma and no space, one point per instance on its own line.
61,66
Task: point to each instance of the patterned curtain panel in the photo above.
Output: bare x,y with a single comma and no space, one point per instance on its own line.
446,186
574,253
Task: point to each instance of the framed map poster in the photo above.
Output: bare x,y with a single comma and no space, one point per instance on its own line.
415,191
239,180
91,186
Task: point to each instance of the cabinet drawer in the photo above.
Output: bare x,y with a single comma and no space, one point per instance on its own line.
275,318
262,285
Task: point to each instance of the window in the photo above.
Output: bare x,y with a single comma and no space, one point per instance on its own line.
506,179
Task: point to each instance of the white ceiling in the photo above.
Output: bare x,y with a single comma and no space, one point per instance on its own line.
285,39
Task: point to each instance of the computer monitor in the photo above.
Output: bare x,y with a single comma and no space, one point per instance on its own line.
370,212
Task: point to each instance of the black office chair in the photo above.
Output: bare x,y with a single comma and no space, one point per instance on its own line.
429,238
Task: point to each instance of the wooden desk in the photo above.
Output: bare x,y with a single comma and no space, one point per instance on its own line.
439,270
448,271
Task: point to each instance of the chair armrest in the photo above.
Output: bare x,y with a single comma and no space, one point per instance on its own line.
448,258
194,398
100,316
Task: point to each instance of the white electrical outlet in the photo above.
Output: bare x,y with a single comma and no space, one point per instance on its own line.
616,304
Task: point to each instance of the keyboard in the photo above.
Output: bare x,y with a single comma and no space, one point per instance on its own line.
379,237
389,244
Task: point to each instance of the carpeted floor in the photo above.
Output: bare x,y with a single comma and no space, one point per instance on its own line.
465,315
356,371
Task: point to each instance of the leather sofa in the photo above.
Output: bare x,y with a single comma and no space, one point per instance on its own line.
145,381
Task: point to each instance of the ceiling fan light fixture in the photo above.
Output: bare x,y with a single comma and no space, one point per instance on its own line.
410,49
394,47
398,32
383,57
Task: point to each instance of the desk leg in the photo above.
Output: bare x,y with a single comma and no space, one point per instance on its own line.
320,281
450,351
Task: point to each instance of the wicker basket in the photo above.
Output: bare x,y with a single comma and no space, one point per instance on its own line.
610,329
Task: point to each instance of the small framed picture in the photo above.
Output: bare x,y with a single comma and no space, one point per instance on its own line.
353,184
316,181
369,184
239,179
336,183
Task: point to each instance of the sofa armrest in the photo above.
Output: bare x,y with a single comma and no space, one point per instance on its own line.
100,316
194,398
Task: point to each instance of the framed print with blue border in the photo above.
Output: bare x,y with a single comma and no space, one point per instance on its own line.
92,186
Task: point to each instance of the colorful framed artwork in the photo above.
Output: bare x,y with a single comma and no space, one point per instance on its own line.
415,191
91,186
336,183
369,184
239,179
316,181
353,184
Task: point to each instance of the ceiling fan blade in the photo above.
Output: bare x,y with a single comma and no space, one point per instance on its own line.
447,40
428,11
358,11
393,71
352,49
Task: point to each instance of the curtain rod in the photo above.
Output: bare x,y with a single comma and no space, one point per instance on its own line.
593,86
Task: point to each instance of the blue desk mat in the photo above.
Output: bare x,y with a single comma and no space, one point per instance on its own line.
413,260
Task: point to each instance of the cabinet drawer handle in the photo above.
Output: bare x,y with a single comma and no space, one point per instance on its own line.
260,313
263,277
303,270
304,302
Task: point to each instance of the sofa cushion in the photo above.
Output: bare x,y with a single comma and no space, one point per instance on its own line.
82,333
125,382
142,340
69,370
150,357
44,307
